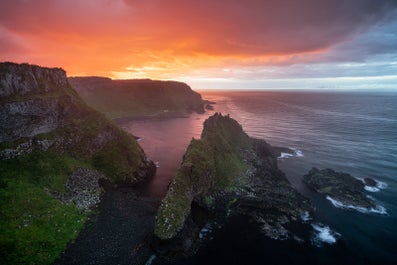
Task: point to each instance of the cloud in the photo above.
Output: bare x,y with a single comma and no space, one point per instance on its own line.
183,36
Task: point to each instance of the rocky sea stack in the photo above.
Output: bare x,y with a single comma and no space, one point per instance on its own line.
340,188
55,154
225,173
138,97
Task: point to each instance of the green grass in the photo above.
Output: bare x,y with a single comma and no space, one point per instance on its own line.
210,164
36,227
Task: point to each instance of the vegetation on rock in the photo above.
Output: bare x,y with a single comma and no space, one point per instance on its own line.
48,138
223,171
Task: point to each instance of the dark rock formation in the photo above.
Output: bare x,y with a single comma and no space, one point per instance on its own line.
370,182
338,186
139,97
222,174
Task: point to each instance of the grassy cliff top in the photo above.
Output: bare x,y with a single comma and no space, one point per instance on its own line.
137,97
212,163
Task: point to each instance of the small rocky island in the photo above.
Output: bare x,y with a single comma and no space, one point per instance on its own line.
225,173
341,189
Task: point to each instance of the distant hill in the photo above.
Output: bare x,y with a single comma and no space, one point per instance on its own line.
137,97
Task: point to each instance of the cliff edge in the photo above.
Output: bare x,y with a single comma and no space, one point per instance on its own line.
138,97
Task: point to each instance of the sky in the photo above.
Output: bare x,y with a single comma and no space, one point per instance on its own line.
323,44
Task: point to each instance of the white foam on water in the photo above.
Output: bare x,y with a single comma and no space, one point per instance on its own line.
205,231
306,216
285,155
297,153
157,164
150,260
371,189
140,139
378,209
380,185
323,234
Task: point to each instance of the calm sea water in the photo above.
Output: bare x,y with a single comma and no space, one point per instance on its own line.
350,132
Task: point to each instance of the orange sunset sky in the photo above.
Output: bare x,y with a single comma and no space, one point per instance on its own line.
209,44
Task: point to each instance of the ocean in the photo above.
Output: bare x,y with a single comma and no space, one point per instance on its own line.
353,132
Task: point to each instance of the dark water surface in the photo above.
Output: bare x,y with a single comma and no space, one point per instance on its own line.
351,132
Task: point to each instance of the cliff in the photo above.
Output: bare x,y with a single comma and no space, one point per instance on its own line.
140,97
55,154
225,172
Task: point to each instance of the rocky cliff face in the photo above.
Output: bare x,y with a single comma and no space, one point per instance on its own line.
40,110
140,97
222,174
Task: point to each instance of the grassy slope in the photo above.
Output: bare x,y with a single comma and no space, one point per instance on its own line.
135,98
34,226
212,163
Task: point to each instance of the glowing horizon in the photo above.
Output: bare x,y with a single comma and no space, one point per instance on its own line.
208,44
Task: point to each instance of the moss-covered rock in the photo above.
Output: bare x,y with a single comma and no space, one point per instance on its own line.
224,172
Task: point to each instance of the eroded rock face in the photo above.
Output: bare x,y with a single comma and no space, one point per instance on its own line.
39,110
35,100
339,186
226,173
18,80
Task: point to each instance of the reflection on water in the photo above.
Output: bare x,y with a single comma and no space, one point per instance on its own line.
165,141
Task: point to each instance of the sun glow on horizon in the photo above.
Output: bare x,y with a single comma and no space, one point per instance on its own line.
203,42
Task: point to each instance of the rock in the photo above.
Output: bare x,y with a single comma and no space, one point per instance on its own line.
341,187
226,173
83,188
209,107
370,182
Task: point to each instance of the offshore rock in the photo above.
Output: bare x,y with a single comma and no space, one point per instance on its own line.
339,186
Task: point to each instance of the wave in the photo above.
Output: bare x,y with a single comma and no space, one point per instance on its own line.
380,185
378,209
157,164
306,217
297,153
285,155
150,260
323,234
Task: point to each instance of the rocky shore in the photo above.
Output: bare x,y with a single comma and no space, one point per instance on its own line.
120,233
